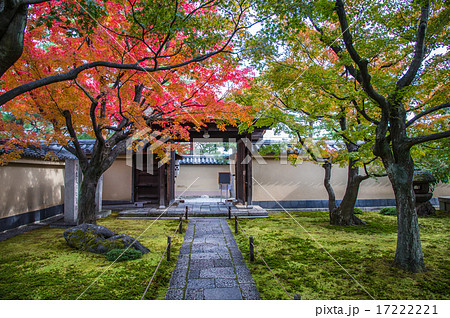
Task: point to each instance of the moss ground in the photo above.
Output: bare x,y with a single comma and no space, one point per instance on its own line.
40,265
366,252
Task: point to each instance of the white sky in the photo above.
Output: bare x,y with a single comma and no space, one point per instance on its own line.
270,135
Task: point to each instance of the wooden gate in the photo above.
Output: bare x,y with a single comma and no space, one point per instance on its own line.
153,184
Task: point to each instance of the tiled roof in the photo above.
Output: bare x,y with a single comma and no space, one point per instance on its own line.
290,148
59,151
203,160
43,150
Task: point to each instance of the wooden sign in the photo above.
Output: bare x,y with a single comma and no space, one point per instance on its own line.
224,178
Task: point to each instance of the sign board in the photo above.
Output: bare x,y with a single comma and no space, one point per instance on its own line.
224,178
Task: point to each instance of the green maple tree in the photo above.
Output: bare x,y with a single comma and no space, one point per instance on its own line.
389,51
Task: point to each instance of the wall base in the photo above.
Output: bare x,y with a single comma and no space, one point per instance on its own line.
15,221
322,204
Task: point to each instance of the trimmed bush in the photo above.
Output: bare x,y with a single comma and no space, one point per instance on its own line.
388,211
128,254
357,211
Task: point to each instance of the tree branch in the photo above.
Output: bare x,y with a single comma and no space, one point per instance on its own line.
426,112
79,151
419,51
94,103
421,139
33,1
368,174
72,74
365,78
309,151
364,114
333,94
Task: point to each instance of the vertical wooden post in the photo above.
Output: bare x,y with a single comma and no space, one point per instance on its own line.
235,224
171,180
162,187
169,240
186,214
240,155
252,253
181,225
249,181
229,212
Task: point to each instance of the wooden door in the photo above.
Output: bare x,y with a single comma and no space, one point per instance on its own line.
146,185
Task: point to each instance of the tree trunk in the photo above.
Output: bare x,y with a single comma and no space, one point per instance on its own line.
101,159
86,200
344,214
328,187
13,20
408,255
395,153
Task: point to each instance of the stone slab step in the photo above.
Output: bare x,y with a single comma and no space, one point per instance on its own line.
201,211
176,218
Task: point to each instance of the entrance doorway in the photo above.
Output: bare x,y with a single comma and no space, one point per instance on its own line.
159,187
206,171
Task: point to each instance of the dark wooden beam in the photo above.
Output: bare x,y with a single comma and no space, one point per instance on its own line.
162,186
240,171
249,183
230,132
171,178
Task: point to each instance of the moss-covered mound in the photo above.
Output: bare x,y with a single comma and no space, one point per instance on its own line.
120,255
99,239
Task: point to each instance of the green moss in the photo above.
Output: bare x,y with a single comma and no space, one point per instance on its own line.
120,254
297,257
388,211
41,265
357,211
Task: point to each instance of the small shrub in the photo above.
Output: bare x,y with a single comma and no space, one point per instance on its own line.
357,211
388,211
127,255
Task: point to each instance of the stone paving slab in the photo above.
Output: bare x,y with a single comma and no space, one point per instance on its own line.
210,265
233,293
203,209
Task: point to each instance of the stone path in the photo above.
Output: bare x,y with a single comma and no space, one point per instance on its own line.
210,265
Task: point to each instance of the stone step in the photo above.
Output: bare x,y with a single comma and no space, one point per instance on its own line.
176,214
176,218
201,210
197,214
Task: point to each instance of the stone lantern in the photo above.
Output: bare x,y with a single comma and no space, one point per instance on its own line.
421,183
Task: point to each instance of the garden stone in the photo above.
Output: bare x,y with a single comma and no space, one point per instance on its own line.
129,241
99,239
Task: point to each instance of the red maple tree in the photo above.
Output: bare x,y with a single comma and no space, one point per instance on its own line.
143,66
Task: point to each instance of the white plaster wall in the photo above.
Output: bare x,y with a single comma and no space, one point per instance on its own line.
206,179
30,185
117,181
275,180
